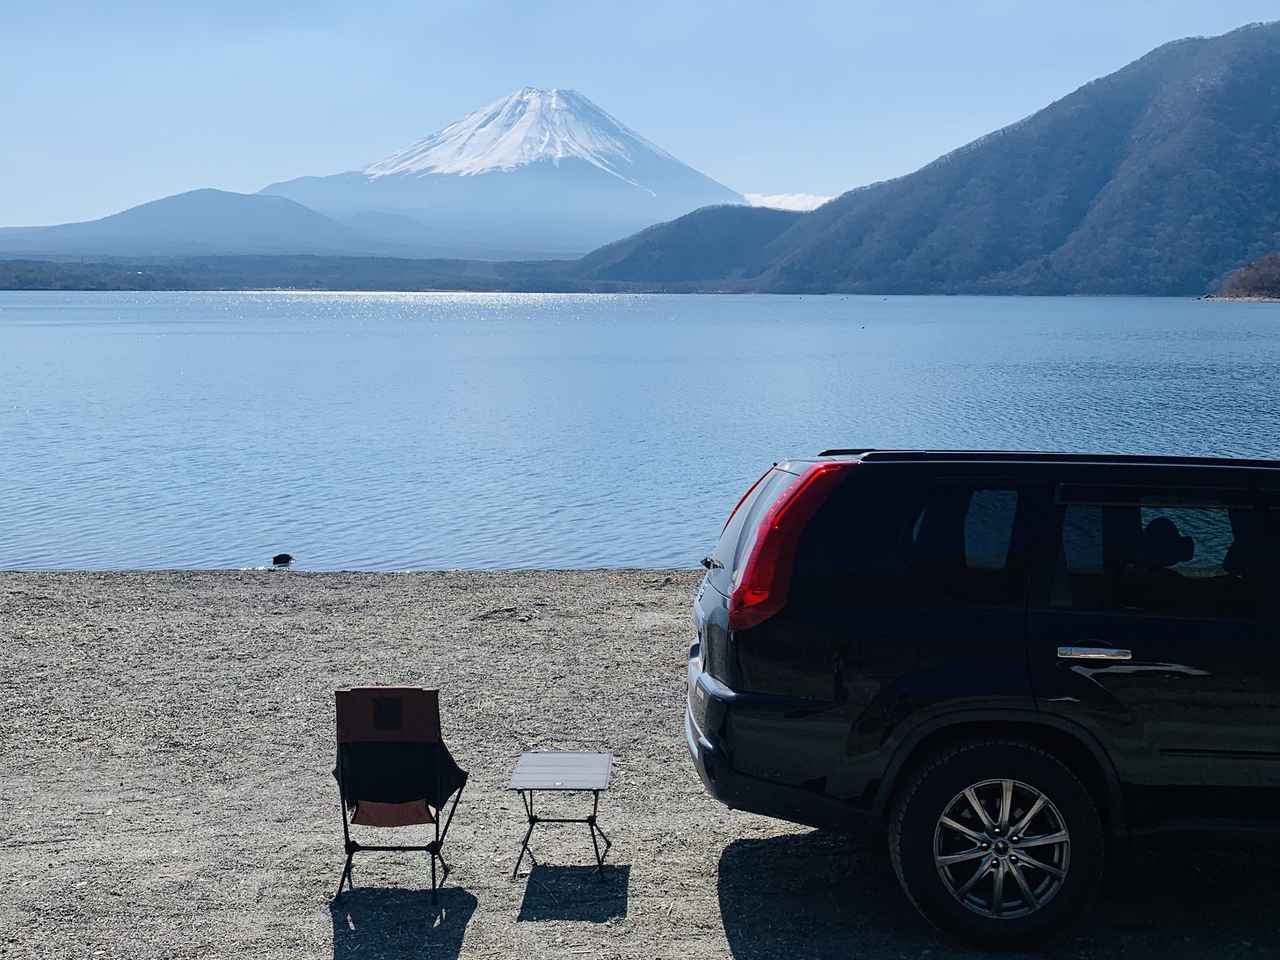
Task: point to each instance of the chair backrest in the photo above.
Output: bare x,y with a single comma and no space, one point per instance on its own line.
388,715
390,749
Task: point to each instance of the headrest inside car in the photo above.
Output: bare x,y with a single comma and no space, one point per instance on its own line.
1163,546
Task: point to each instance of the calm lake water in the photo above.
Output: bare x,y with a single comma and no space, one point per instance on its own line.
390,431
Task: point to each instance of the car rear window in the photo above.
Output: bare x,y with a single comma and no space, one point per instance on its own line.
740,533
895,539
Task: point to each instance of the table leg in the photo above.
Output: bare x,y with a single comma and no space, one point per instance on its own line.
597,834
594,827
524,844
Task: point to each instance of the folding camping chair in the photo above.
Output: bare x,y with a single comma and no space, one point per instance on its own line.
393,769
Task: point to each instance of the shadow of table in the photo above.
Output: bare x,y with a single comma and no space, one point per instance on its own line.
585,894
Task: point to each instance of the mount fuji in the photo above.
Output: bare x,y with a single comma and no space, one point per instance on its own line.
537,173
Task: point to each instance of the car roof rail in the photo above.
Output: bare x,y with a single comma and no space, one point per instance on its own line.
873,455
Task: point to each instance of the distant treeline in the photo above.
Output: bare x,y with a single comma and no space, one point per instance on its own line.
304,272
1258,279
610,270
277,272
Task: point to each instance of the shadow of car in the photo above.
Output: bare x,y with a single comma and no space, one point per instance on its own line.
818,895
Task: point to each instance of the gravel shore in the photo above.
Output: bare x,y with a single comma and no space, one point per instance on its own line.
168,739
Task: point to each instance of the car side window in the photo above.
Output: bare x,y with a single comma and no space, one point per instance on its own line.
988,529
905,543
962,549
1158,553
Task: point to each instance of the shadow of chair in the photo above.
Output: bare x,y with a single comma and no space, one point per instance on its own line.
813,894
576,893
391,922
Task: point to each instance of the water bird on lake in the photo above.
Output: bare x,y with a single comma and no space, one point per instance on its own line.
282,560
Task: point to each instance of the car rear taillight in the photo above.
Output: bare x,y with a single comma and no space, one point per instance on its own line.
743,499
766,575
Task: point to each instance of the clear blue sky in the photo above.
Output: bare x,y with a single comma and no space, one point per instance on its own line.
104,105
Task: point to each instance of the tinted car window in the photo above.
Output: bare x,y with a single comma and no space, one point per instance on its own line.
1158,557
988,529
878,544
963,543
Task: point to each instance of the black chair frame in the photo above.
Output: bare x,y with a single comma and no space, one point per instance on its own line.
433,849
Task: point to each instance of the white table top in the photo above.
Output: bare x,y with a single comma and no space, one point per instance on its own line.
552,770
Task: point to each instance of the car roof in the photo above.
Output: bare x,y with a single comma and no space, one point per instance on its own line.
871,455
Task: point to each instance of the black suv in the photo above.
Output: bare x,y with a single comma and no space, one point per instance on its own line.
1008,658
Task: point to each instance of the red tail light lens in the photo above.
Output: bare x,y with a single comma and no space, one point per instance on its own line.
766,575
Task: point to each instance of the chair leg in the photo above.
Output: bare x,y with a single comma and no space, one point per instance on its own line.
346,876
346,833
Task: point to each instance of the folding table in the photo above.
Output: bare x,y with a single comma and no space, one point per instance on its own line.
555,772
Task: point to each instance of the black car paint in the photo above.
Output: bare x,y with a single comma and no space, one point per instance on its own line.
812,717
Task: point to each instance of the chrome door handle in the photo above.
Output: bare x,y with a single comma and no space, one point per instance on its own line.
1094,653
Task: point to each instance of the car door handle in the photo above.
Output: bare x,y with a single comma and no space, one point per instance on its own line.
1094,653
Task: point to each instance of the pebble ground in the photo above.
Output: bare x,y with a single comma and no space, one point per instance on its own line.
165,791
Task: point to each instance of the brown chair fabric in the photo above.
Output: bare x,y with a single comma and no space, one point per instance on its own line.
388,714
370,814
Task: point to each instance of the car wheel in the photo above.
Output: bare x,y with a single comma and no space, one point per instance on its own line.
998,842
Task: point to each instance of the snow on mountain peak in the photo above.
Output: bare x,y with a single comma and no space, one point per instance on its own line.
529,126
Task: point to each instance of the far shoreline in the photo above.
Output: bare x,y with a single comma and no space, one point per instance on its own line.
1250,299
989,295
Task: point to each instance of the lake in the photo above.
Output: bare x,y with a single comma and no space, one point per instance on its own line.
402,431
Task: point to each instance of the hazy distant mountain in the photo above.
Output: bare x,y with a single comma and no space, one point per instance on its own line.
1161,178
198,222
543,172
1158,179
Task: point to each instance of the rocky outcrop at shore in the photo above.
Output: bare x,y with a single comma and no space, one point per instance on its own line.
1259,280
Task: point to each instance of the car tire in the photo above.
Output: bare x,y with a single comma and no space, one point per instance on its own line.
1000,886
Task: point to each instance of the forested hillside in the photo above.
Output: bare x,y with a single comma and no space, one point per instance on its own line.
1159,179
1258,279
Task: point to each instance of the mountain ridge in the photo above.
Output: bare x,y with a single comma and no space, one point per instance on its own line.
1158,178
542,171
194,222
539,173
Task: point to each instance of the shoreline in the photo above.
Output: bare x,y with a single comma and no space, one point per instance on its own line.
640,291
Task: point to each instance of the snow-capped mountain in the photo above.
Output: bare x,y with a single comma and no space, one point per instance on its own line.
538,172
529,126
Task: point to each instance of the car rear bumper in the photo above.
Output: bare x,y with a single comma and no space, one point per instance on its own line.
712,757
707,760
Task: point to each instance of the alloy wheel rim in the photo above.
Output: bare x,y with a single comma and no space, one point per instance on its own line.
1002,849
